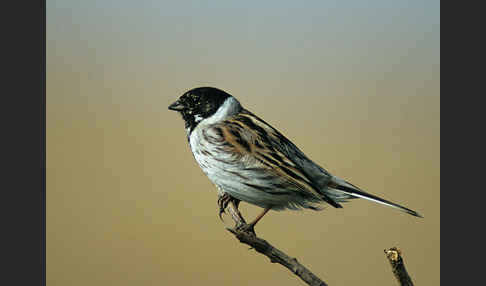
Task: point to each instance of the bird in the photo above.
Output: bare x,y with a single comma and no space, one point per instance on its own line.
249,160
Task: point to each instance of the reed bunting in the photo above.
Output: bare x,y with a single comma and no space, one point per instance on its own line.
249,160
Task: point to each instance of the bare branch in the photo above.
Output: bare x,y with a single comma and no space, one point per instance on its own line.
275,255
394,256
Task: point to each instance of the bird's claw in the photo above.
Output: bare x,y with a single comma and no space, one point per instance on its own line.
223,202
221,212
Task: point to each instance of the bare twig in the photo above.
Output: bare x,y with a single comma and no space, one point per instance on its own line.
394,256
275,255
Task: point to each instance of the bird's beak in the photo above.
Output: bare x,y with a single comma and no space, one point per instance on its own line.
177,106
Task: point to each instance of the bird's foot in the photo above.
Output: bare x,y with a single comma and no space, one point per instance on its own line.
223,201
249,228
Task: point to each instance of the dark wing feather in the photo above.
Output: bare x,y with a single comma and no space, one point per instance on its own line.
283,157
252,135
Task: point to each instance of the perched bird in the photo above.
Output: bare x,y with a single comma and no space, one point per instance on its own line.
249,160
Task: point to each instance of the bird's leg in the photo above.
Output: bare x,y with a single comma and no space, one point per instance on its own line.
235,203
223,202
259,217
251,227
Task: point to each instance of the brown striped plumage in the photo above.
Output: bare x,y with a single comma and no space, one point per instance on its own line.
245,130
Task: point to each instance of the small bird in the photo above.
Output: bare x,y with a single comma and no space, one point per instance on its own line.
249,160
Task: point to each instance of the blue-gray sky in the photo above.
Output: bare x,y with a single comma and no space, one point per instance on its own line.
235,42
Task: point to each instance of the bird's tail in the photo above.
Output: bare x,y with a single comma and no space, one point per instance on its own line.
354,192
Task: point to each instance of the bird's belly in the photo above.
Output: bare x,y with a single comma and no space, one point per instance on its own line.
250,186
241,178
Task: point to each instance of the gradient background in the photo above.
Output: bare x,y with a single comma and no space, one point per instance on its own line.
354,84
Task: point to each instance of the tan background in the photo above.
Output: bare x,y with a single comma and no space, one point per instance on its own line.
355,87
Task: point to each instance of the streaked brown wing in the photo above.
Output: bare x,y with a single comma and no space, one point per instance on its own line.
246,135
